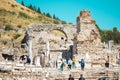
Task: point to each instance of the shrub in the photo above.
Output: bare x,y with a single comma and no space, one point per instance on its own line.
8,27
17,36
55,22
4,42
21,14
63,22
3,11
12,5
40,17
19,26
22,8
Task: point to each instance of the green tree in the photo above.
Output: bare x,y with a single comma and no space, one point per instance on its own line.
22,3
48,15
115,35
54,17
109,35
44,13
31,7
34,8
38,10
115,29
102,34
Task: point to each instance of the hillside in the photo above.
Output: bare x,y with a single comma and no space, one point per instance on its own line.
15,14
14,18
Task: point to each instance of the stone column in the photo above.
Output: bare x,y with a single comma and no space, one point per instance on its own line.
110,45
30,50
48,50
37,61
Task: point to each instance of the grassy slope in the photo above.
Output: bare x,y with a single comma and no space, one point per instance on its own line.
15,20
9,14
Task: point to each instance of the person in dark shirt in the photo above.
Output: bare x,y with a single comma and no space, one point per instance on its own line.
107,67
70,77
107,64
82,63
81,77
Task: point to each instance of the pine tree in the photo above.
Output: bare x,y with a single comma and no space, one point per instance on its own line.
39,10
54,17
34,8
44,13
48,15
22,3
30,7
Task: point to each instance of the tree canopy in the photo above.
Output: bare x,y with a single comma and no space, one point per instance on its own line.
107,35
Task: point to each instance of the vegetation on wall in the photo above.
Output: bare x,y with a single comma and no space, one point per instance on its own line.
107,35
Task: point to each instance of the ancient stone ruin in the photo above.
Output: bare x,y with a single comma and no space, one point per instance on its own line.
50,39
88,45
46,44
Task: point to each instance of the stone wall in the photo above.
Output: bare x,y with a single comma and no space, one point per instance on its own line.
59,36
88,41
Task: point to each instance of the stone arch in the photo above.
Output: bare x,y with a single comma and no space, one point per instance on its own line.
61,31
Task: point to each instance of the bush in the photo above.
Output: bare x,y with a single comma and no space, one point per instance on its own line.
63,22
21,14
5,12
55,22
17,36
12,5
19,26
4,42
40,17
8,27
22,8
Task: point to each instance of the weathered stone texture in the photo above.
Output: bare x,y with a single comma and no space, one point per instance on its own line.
88,41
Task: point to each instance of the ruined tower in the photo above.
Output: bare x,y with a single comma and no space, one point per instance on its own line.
87,33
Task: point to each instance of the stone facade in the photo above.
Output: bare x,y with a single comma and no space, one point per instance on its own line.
88,41
87,33
59,37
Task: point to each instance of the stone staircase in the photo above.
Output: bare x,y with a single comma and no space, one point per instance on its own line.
89,74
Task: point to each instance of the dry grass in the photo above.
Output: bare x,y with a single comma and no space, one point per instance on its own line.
9,14
12,6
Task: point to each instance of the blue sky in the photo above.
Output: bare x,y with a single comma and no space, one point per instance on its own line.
105,12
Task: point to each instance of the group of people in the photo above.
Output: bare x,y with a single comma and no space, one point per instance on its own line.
72,63
72,78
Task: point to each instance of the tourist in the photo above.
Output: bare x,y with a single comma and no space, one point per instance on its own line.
81,77
107,66
64,61
82,63
73,62
70,77
69,63
62,65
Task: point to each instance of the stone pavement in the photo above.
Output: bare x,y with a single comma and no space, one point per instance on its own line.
55,74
